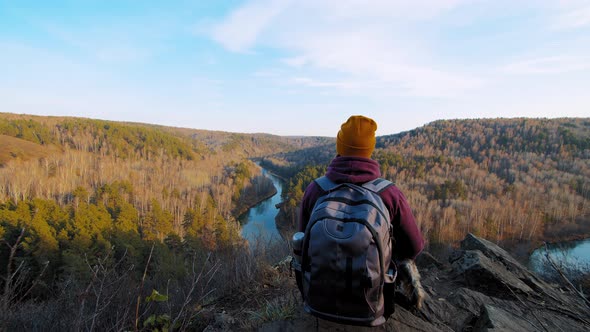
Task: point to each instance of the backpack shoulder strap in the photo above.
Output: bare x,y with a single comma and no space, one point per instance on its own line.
377,185
325,184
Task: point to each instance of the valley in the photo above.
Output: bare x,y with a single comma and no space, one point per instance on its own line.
86,202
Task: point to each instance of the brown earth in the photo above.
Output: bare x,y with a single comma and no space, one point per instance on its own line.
12,148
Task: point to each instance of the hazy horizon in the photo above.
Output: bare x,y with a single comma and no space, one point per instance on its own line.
294,135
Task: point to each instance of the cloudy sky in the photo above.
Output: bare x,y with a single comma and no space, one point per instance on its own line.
295,67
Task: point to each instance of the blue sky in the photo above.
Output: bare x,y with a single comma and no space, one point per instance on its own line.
295,67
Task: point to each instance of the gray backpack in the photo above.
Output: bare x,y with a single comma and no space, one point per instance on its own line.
346,253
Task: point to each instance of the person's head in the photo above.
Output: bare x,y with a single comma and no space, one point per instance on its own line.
356,137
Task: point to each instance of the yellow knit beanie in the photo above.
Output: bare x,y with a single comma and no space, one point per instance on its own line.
356,137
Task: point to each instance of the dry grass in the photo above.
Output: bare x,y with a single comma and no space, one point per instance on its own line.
276,309
12,148
259,288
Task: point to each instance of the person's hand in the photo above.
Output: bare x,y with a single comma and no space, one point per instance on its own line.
410,282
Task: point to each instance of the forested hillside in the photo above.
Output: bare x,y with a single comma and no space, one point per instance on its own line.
502,179
69,159
84,199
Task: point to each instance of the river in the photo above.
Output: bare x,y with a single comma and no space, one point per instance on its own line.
572,257
259,221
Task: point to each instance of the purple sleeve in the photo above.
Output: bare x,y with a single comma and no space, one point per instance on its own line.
408,238
312,192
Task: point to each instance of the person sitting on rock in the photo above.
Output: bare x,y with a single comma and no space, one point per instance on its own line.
353,164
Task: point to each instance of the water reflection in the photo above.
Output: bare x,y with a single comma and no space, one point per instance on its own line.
572,257
259,222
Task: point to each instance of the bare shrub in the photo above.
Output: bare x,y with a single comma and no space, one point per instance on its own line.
108,300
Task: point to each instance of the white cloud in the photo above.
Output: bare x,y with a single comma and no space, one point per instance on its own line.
240,30
548,65
373,45
573,18
378,62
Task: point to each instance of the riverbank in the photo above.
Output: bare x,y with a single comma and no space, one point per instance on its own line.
286,221
552,241
554,234
567,231
252,201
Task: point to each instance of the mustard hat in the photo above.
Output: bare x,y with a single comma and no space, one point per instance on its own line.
356,137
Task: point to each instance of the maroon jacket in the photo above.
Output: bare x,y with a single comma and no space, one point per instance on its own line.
408,239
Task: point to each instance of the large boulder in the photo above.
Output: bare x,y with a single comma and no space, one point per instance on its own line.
503,268
480,272
493,318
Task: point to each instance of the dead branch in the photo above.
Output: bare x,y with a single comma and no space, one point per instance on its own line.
8,280
196,280
567,281
529,308
141,288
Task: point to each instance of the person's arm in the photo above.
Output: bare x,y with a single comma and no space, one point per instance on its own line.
310,196
408,238
408,244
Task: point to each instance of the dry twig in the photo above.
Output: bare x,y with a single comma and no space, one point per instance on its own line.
141,288
562,275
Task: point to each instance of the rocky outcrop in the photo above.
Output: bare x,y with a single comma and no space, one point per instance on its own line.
481,288
485,289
